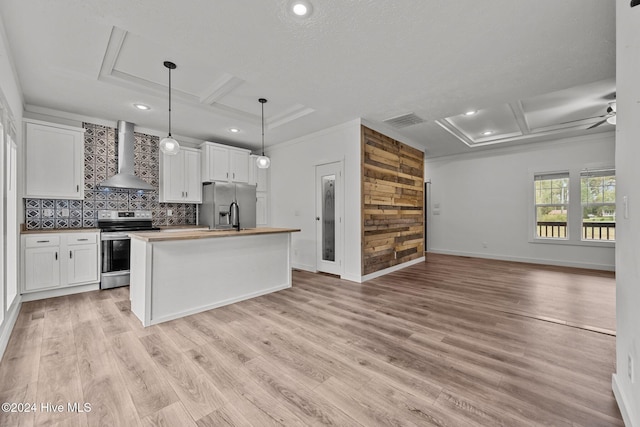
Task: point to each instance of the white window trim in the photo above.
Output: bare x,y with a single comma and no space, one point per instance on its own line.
574,215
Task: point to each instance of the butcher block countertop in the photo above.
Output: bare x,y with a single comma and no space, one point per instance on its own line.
151,236
182,227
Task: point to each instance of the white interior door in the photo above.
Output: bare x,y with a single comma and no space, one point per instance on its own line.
329,217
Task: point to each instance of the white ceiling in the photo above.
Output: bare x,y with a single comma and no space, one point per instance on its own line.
349,59
554,115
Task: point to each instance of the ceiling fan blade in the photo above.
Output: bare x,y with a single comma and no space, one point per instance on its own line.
581,120
597,124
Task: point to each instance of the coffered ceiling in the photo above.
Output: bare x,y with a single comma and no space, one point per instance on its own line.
552,115
525,70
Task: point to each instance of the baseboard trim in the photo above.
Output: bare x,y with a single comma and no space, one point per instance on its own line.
304,267
622,401
392,269
352,278
560,263
52,293
8,324
173,316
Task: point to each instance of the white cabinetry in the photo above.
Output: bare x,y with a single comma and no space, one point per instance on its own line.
82,264
259,177
42,262
262,218
224,163
54,160
55,260
180,177
239,165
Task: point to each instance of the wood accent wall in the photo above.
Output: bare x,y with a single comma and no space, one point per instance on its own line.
392,202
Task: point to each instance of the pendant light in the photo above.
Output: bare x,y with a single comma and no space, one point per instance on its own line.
263,161
169,145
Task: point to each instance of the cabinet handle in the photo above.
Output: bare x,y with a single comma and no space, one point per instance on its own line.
186,194
77,188
234,175
83,240
56,256
70,255
42,241
227,174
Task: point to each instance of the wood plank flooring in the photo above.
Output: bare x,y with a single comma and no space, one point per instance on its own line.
451,342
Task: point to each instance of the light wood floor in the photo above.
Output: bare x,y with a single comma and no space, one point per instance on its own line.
451,342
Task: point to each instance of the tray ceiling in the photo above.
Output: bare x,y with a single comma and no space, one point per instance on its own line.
553,114
133,62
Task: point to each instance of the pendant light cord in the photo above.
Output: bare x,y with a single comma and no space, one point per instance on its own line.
262,128
169,101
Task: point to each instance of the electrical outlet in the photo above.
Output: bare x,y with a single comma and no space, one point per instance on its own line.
630,368
484,244
169,212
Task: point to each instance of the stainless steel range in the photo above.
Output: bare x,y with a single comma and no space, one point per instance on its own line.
116,244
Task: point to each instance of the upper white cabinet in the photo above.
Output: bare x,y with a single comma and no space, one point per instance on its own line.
224,163
180,177
239,165
54,161
257,176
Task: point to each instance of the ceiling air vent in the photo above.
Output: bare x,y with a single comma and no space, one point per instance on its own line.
404,121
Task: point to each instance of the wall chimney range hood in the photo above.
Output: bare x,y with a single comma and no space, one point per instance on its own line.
125,177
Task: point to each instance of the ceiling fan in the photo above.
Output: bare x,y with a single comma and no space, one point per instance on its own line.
610,117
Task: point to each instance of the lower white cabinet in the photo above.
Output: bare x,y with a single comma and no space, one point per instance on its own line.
42,268
55,260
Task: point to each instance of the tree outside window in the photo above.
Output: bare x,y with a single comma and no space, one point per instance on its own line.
598,198
551,204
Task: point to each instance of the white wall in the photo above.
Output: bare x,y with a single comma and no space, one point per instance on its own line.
292,191
12,94
485,197
628,180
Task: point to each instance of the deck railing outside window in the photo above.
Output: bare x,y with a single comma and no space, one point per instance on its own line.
590,230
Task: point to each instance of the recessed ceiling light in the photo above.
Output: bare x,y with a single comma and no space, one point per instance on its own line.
487,132
142,107
234,130
470,112
301,8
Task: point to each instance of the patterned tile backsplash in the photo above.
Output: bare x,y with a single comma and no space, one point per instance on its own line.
101,162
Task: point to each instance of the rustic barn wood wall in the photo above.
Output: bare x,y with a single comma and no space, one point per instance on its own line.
392,202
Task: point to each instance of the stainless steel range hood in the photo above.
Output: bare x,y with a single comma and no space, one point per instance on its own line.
125,177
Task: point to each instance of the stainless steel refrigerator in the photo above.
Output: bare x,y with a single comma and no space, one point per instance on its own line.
216,199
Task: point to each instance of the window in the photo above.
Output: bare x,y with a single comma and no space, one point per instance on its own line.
551,204
598,198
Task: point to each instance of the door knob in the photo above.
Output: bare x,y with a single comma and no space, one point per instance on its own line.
317,218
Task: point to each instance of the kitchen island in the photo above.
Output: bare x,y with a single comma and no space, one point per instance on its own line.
185,272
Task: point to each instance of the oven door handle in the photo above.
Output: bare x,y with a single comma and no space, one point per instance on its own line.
116,236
